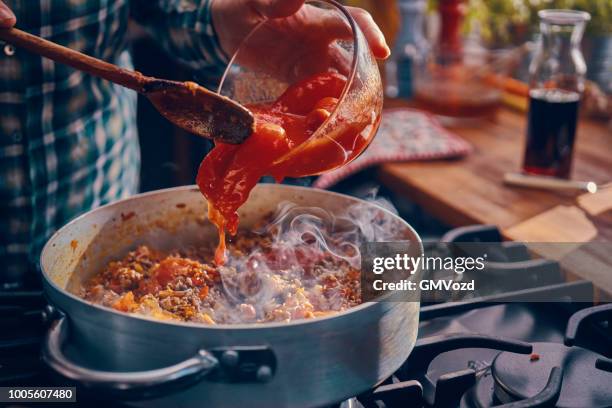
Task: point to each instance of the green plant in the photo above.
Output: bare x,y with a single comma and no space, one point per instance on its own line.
496,20
508,21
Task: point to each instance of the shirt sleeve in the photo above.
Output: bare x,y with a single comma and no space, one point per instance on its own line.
184,28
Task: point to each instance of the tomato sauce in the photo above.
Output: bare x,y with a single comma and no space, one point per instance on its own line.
229,172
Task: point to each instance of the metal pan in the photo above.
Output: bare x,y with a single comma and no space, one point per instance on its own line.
303,363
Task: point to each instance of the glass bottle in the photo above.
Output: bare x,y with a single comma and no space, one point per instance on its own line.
557,74
409,49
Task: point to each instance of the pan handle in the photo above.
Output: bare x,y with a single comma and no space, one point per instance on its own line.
231,364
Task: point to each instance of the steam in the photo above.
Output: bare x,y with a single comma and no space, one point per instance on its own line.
301,238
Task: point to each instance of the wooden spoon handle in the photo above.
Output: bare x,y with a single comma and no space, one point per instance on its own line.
75,59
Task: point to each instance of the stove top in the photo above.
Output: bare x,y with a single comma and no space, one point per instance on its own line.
454,367
469,354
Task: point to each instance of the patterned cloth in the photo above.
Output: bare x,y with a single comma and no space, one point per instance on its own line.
68,141
404,135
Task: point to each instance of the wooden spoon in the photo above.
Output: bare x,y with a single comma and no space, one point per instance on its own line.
186,104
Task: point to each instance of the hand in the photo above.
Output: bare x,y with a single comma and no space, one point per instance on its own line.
7,18
275,46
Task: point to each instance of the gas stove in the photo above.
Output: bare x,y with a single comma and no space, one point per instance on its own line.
505,355
475,353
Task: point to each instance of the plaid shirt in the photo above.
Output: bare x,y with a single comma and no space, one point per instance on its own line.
68,140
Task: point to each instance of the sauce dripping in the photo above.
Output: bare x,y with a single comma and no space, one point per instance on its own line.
229,172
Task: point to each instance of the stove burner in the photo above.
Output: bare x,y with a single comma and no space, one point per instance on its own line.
482,394
518,377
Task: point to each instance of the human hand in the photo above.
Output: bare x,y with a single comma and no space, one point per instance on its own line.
7,18
275,46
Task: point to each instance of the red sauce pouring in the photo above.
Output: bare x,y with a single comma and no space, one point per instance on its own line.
229,172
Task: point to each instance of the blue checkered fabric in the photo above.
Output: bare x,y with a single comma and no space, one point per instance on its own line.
68,141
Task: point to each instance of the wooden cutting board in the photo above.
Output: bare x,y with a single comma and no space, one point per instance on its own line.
579,237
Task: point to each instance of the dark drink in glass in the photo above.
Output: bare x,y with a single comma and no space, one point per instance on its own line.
556,82
551,130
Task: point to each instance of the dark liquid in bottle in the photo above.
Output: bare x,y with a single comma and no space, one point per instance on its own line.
551,129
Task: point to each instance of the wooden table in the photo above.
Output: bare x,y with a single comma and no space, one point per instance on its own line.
470,190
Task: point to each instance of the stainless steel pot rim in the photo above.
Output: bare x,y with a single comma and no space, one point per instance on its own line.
243,326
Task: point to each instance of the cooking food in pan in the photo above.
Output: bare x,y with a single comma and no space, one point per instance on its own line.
313,362
297,263
186,285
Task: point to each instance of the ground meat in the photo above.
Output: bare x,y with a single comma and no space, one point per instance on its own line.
259,283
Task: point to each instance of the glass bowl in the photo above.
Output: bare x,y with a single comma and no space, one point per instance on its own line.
261,70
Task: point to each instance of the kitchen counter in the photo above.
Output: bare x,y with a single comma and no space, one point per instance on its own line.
471,191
